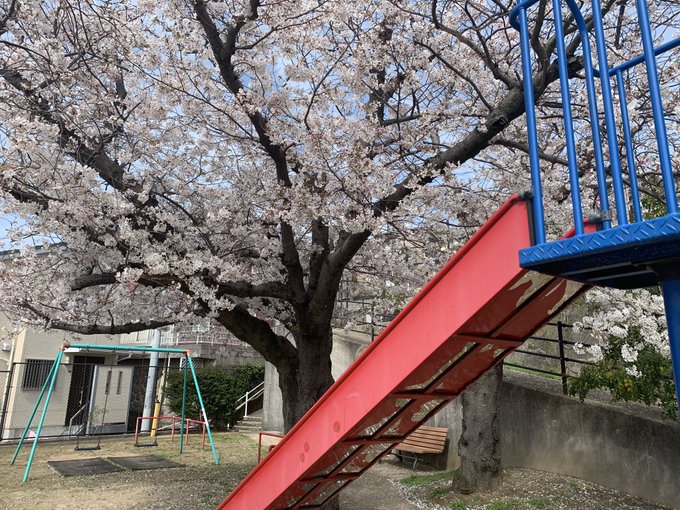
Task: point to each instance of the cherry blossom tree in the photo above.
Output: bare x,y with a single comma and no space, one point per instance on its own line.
237,159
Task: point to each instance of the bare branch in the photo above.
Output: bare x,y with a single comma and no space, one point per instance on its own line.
512,144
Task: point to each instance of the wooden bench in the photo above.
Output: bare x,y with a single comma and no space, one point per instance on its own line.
421,441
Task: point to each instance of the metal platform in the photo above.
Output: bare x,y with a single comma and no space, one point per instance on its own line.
471,315
624,257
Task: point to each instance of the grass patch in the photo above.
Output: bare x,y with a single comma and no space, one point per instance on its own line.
458,505
414,480
541,503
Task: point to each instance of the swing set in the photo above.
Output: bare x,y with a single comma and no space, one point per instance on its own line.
50,381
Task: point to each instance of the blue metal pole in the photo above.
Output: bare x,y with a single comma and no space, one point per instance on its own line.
657,109
534,162
671,298
35,409
53,380
592,110
568,119
673,43
184,405
628,139
609,119
205,416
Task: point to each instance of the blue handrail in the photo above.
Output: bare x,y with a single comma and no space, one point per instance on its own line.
524,5
518,19
657,107
662,48
534,162
610,122
568,119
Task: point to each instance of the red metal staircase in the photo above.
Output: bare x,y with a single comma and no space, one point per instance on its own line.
472,314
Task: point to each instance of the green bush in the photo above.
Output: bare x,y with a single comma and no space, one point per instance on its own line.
654,385
219,388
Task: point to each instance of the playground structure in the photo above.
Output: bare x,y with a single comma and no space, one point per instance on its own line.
156,420
513,280
188,422
50,380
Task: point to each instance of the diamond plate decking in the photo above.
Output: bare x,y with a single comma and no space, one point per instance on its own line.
623,257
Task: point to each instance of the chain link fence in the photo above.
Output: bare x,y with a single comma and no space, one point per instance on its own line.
89,398
5,377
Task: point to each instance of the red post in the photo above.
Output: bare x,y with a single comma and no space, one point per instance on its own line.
136,432
259,443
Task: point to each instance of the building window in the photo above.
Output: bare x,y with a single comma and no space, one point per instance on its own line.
119,386
35,373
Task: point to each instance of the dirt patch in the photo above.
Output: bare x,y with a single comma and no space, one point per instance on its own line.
199,485
522,489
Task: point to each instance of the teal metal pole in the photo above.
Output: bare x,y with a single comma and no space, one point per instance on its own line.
42,416
35,409
125,348
184,405
205,416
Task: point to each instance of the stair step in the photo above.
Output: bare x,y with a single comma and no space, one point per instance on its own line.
241,428
251,418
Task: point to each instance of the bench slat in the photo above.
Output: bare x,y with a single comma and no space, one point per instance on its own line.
434,440
425,440
424,444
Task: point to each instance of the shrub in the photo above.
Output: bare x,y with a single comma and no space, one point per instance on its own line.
219,388
653,385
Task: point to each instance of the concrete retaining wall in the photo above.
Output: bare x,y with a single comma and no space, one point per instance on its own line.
592,441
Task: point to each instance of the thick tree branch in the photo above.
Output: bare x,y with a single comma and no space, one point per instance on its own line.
108,169
320,251
241,289
276,349
95,329
224,53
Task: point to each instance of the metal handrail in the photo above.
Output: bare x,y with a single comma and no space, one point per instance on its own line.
249,395
518,20
663,48
562,356
77,413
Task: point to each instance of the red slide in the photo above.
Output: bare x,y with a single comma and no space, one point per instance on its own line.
472,314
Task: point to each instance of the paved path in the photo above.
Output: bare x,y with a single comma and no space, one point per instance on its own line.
374,490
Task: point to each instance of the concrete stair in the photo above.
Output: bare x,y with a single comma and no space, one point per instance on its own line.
251,424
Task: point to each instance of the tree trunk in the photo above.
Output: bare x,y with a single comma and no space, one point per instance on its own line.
479,446
303,385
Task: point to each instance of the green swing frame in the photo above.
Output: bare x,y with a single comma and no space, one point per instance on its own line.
51,379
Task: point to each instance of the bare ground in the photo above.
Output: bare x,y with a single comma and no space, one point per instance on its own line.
201,485
522,489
